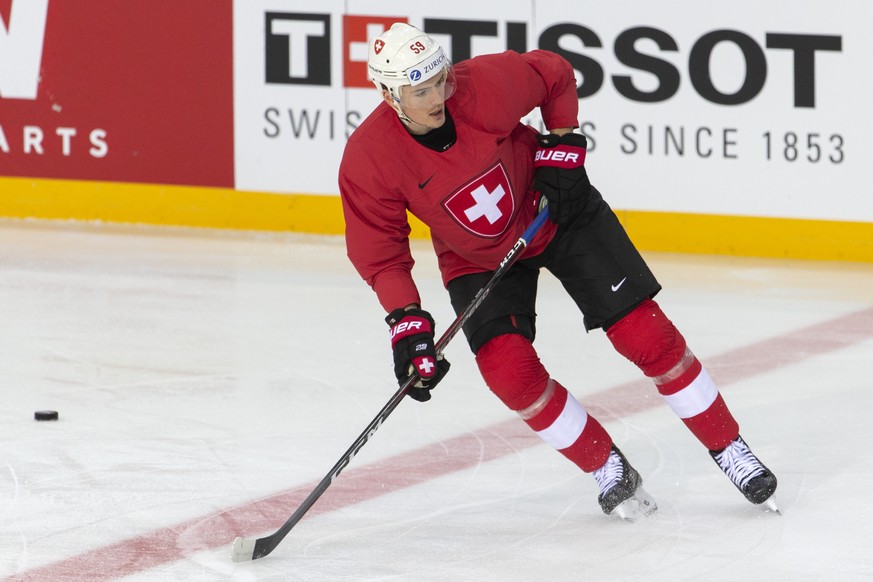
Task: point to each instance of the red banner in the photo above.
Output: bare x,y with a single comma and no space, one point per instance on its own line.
117,90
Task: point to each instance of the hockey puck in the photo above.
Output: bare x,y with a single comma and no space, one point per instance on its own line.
45,415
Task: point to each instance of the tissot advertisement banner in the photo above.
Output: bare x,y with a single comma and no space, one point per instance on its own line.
755,109
117,90
752,109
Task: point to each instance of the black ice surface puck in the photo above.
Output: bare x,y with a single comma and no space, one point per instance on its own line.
46,415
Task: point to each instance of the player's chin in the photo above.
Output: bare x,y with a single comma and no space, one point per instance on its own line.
437,118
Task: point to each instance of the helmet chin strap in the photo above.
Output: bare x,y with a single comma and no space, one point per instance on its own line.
405,118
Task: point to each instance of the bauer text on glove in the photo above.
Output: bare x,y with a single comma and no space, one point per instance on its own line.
560,176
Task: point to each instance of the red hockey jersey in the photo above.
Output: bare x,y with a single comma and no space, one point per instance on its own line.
476,196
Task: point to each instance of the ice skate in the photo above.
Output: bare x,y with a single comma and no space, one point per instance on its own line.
751,477
621,489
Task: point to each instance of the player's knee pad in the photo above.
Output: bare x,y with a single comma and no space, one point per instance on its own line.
512,370
648,339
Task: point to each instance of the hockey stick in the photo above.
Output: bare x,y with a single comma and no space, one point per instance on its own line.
245,549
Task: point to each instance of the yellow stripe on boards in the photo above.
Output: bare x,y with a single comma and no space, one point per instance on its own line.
233,209
169,205
750,236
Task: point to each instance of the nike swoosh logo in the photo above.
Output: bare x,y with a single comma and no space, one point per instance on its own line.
421,185
618,285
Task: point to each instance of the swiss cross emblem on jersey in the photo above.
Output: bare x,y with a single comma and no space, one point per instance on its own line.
483,205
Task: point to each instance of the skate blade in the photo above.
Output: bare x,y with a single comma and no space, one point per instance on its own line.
640,505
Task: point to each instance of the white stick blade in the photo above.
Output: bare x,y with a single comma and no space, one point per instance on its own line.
770,505
243,549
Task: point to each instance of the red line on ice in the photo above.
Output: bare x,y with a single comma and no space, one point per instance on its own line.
166,545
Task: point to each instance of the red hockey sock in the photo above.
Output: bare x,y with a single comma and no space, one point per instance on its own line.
651,341
512,370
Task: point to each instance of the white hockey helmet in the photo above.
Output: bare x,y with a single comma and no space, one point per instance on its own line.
404,55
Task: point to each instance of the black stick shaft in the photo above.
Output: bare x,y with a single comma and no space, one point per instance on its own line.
265,545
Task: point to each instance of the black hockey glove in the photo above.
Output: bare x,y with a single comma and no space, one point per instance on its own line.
414,351
560,175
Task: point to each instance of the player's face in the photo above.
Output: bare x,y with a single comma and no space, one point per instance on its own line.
424,104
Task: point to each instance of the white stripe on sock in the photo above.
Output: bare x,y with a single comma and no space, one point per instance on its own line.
694,398
567,427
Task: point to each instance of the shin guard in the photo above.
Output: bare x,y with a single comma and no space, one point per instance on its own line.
511,368
648,339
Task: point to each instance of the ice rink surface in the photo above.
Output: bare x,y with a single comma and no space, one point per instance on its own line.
206,381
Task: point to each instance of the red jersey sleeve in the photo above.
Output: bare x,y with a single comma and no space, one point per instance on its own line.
560,107
377,232
505,87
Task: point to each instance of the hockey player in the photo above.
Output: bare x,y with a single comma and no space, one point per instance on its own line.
446,145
